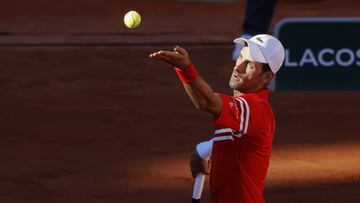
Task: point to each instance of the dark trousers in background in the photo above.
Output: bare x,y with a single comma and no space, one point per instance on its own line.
258,16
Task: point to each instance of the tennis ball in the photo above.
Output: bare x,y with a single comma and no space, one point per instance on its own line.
132,19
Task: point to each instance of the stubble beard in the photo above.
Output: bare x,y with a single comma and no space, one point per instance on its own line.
234,84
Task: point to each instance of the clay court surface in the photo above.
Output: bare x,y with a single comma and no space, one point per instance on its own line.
87,117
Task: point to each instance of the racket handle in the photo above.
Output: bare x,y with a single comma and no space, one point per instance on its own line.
198,188
195,200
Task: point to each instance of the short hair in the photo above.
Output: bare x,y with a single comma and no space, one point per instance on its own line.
266,68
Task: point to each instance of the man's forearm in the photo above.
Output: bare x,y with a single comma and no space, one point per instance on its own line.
205,96
204,90
201,94
197,99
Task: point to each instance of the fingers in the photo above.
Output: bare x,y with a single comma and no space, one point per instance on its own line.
178,53
171,54
184,56
154,55
160,56
198,165
174,58
195,166
206,167
180,50
165,54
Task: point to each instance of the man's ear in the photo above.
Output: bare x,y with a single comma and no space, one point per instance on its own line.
268,76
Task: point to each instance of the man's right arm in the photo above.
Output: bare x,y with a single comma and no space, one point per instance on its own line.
200,93
203,97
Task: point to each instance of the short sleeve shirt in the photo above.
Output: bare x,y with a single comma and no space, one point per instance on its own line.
240,162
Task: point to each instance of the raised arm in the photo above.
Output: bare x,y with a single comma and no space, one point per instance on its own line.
199,91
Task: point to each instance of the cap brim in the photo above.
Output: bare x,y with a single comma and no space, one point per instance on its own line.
255,51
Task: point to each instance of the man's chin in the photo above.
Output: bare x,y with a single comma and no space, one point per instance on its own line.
235,86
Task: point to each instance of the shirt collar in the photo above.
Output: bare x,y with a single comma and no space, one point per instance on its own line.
263,94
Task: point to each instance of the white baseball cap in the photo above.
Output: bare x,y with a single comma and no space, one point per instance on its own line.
265,48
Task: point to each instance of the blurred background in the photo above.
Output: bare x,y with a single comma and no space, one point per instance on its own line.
87,117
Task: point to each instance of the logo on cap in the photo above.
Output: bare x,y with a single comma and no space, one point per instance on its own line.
260,40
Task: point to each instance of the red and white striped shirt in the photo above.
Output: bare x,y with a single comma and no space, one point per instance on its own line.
242,146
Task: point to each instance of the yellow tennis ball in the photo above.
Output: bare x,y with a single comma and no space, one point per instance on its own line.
132,19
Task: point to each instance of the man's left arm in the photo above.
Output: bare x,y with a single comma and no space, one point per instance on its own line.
199,162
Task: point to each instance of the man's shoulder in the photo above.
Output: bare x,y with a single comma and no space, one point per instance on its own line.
261,96
224,96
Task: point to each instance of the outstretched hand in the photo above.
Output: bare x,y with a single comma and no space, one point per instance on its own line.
178,58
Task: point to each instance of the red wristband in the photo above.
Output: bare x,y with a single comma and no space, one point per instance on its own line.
187,74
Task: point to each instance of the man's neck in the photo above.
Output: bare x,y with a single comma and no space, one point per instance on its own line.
237,93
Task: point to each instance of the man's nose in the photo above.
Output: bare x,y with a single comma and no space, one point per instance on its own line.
240,67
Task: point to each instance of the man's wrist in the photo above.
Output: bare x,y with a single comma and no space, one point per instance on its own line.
187,74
